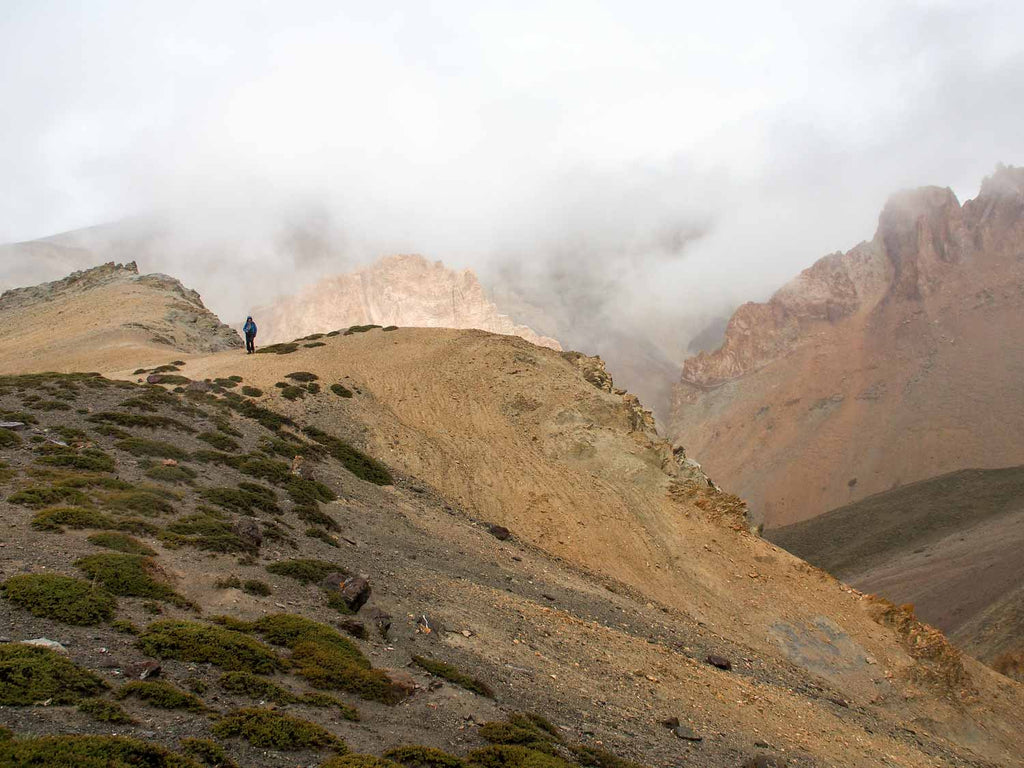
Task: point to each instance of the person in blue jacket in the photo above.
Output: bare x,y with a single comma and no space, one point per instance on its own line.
249,329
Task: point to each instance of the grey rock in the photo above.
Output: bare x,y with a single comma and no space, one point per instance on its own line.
686,733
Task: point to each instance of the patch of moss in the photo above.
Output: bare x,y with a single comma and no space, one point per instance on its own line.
243,500
252,391
341,390
121,542
219,441
204,643
208,752
129,576
31,674
105,711
278,349
9,438
509,756
89,752
141,446
355,461
415,756
61,598
160,694
453,675
275,730
145,420
304,570
44,496
359,761
171,474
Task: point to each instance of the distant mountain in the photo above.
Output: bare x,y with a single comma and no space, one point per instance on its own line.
897,361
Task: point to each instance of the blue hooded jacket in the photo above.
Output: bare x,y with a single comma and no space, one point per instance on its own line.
249,329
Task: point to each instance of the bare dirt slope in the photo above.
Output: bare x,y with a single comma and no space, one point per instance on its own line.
953,546
897,361
103,317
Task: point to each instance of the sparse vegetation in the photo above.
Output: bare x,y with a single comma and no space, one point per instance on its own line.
120,542
175,473
303,490
219,441
247,499
128,576
303,376
145,420
292,392
322,535
151,502
278,349
208,531
124,626
312,514
313,388
252,391
1010,664
388,328
31,674
341,390
89,460
55,518
355,461
105,711
61,598
256,687
209,752
305,570
9,438
267,418
313,344
160,694
38,496
414,756
453,675
274,730
509,756
88,752
359,761
204,643
256,587
140,446
360,329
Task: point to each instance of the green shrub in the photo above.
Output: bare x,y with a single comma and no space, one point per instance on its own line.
89,460
124,626
332,334
9,438
121,542
219,441
291,392
414,756
360,329
227,383
313,388
171,474
165,369
323,665
105,711
289,630
276,472
341,390
311,513
148,421
303,376
217,457
278,349
274,730
79,480
595,757
209,752
356,462
30,674
55,518
256,587
453,675
169,378
209,532
304,570
229,582
89,752
150,502
266,417
61,598
23,416
108,430
204,643
43,496
390,328
314,344
141,446
304,490
322,535
160,694
243,500
252,391
128,576
508,756
359,761
325,701
256,687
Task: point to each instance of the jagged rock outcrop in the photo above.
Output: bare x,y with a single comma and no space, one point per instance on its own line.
407,291
893,362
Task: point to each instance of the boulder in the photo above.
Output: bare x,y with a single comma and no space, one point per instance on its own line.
354,628
142,670
500,532
719,661
353,590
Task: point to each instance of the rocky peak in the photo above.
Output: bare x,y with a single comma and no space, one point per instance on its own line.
83,280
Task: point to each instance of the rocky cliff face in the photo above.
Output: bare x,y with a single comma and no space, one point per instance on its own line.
857,374
407,291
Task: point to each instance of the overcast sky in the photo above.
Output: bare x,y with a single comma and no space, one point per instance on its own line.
487,134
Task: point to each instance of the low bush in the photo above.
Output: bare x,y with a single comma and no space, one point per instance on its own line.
9,438
313,388
160,694
61,598
108,430
168,378
304,490
312,514
355,461
414,756
124,626
219,441
322,535
256,687
271,470
105,711
171,474
453,675
359,761
89,460
360,329
292,392
303,376
228,383
267,418
388,328
209,532
31,674
204,643
256,587
38,496
55,519
341,390
165,369
129,576
278,349
209,752
51,405
245,500
275,730
89,752
120,542
314,344
148,421
151,502
305,570
141,446
509,756
252,391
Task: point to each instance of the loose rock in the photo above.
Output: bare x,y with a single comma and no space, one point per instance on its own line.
45,642
719,661
500,532
142,670
684,732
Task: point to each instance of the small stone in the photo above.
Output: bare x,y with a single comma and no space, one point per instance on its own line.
687,734
671,722
15,426
719,661
840,702
142,670
45,642
354,628
500,532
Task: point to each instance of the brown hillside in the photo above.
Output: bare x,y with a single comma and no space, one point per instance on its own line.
897,361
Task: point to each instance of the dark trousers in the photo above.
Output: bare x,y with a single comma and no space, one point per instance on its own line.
250,343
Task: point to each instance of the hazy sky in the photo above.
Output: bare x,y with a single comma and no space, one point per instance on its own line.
490,134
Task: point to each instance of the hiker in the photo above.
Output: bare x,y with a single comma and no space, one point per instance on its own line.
249,329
